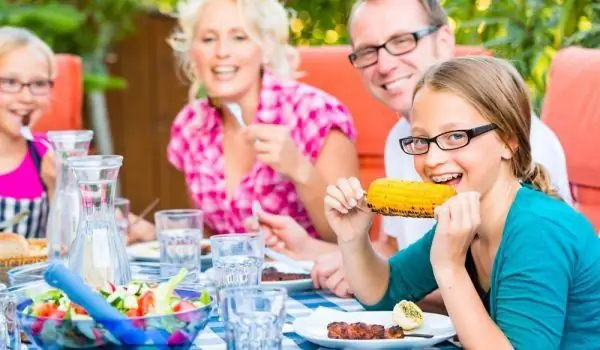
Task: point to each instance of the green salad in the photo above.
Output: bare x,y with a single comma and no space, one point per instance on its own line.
137,299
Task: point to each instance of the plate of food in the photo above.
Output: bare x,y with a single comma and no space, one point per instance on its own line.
405,327
150,251
278,274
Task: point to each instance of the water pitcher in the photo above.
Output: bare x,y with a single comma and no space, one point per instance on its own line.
64,209
98,253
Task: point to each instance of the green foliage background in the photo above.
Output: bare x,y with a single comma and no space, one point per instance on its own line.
528,32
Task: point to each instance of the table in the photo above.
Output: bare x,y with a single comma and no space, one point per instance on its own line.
298,305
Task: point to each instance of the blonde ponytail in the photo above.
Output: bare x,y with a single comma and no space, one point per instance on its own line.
539,178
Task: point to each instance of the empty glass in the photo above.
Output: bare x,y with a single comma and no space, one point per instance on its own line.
64,209
122,208
237,259
98,253
254,317
179,234
10,335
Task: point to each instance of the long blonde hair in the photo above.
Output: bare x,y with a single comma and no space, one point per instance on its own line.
268,16
14,38
497,90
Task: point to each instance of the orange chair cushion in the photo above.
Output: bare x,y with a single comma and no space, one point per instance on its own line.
572,109
65,112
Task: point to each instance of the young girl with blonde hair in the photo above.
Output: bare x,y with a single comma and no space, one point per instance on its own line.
516,266
27,71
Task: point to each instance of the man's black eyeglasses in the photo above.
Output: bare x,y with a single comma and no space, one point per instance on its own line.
447,141
36,87
396,46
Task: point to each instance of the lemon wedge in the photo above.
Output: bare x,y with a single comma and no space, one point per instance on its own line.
407,315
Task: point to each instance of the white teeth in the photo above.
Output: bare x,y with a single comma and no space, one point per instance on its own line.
446,177
396,83
224,69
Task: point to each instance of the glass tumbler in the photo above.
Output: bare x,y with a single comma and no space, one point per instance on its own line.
254,317
10,335
179,234
237,259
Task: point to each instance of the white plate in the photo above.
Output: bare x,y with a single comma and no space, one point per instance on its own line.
314,329
291,286
150,251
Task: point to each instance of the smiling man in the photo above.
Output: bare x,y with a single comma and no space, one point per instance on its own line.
393,43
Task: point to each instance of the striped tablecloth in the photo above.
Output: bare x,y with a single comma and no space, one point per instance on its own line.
298,305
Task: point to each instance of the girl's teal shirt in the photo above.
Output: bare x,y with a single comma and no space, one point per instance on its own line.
545,282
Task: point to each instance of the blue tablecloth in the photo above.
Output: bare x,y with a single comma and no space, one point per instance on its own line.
298,305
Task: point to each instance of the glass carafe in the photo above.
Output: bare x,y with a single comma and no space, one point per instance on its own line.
98,253
64,209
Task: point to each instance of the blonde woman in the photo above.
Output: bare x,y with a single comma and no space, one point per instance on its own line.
297,138
516,266
27,70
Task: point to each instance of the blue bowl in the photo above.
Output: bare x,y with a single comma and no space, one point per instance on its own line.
173,331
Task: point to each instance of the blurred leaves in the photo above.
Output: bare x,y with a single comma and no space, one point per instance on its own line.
526,32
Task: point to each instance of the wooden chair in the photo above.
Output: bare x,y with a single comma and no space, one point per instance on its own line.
328,68
572,109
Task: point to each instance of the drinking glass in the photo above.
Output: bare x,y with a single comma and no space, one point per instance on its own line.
122,208
10,335
179,234
237,259
254,317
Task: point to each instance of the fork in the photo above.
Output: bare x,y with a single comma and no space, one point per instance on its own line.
25,130
14,220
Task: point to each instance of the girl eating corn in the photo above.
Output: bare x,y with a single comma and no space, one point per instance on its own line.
516,266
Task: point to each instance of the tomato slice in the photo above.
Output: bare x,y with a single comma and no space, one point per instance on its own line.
78,309
183,305
44,309
146,303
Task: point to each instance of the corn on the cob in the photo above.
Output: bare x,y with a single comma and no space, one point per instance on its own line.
391,197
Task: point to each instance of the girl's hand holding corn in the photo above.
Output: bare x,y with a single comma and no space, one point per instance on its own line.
458,220
346,210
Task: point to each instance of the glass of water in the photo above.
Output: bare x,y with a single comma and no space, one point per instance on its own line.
179,234
254,317
237,259
10,335
122,209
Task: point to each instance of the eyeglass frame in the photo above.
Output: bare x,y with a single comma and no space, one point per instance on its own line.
27,85
471,134
417,36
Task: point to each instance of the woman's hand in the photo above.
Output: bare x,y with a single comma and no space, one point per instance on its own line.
346,210
328,273
274,146
283,234
457,222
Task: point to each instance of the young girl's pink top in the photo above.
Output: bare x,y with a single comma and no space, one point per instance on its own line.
22,189
24,182
196,148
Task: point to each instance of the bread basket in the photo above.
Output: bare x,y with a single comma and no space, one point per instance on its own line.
37,252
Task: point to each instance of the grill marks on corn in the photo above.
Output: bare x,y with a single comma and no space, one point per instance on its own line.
391,197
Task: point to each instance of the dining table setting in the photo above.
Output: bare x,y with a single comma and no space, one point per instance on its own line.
86,286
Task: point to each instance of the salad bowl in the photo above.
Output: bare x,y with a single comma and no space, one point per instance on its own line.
168,317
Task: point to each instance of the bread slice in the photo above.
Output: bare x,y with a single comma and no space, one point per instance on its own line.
13,245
